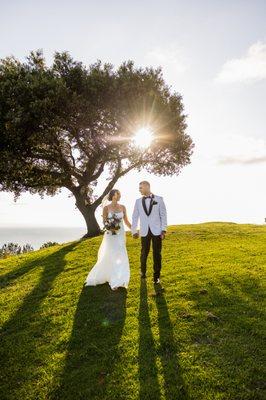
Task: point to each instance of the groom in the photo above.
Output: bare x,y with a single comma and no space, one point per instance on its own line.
151,211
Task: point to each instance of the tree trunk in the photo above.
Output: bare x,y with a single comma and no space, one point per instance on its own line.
93,228
88,212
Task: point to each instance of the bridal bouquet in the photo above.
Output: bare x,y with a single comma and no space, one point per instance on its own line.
112,224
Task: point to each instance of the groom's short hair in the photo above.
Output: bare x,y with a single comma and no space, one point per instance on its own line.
145,183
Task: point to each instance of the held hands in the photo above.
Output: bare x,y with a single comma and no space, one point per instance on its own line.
136,235
163,235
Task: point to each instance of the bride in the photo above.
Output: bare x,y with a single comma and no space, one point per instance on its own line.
112,265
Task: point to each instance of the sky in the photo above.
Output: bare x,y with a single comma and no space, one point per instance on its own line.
211,52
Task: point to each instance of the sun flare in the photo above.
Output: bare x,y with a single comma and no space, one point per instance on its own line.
143,137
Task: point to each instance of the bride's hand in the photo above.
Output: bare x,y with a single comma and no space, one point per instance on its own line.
128,224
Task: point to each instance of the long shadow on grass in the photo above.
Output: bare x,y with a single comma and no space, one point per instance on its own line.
148,373
232,338
174,386
21,335
93,346
27,266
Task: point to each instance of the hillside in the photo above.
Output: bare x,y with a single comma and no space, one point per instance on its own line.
200,338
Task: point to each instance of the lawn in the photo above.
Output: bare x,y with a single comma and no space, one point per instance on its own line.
202,337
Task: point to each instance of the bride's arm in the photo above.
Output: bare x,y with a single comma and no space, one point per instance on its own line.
105,214
128,224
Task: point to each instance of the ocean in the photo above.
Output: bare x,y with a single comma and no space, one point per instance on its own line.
38,236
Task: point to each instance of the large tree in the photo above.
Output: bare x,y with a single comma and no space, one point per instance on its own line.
64,125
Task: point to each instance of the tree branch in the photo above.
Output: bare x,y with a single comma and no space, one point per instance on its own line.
111,184
99,172
67,167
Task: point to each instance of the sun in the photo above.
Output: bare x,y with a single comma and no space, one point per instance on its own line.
143,137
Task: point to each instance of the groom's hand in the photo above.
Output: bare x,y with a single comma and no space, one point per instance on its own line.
163,235
136,235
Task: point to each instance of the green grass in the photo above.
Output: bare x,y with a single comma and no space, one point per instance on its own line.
61,340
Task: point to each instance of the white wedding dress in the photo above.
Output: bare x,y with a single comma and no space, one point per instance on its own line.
112,265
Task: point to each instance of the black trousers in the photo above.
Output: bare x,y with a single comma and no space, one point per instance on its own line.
156,249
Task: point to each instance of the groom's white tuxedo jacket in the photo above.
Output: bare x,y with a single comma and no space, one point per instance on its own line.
154,216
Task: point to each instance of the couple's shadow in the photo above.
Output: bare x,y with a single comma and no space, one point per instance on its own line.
93,349
167,351
93,346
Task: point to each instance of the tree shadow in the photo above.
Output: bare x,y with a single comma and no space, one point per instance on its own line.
21,334
174,385
93,345
27,266
148,373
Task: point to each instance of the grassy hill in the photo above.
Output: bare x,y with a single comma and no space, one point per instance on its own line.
201,338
